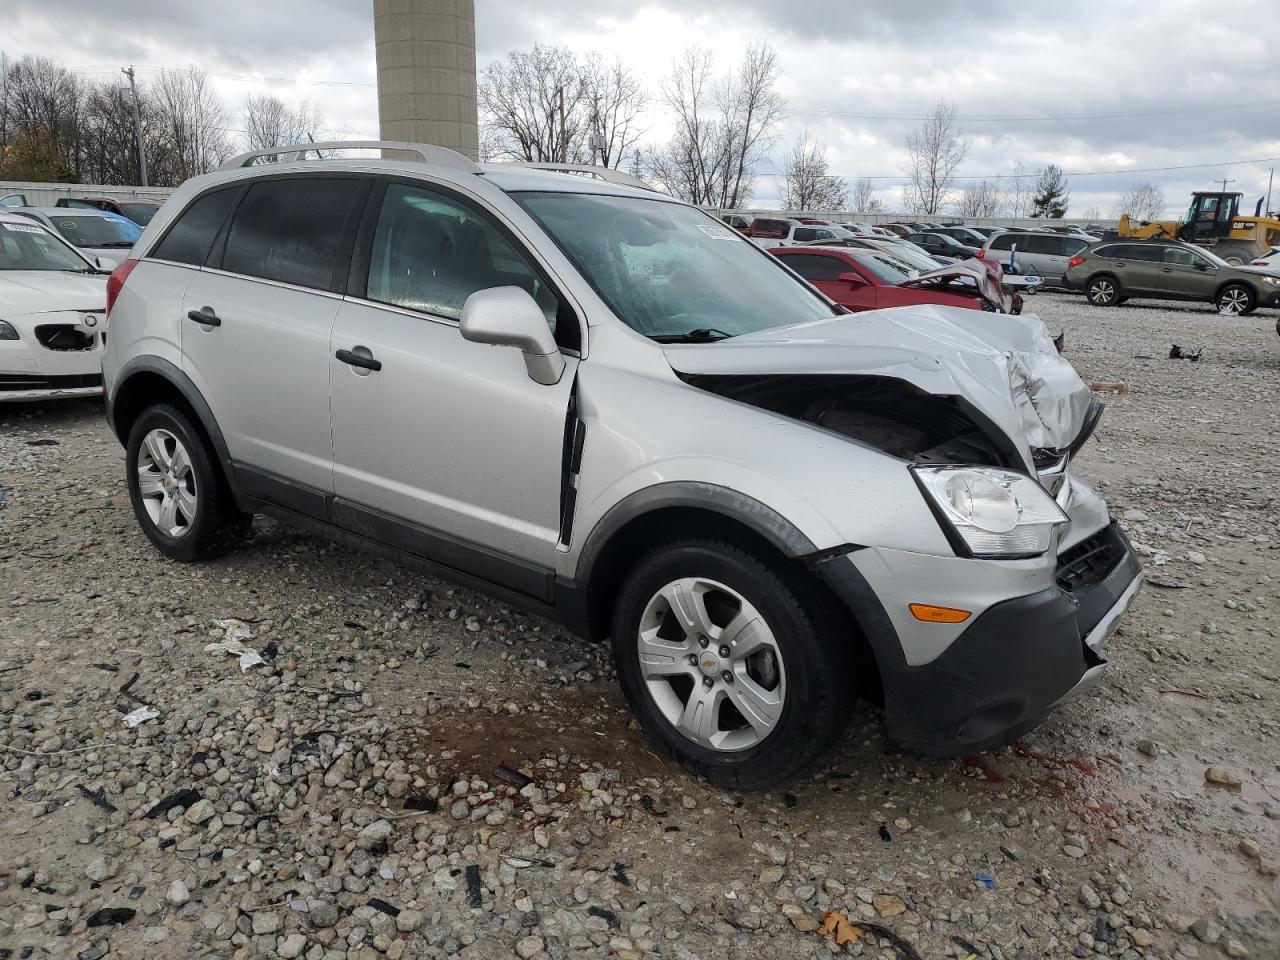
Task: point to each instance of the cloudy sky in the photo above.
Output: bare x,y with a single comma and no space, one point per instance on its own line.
1124,86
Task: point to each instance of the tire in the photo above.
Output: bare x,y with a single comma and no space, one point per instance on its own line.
178,493
1103,291
1236,298
798,685
1120,300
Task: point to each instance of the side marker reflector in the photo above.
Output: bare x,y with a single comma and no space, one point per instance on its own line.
931,614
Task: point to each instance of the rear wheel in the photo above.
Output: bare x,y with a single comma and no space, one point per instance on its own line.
1103,292
733,666
1236,298
178,493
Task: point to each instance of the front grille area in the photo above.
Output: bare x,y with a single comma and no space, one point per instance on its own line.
63,336
14,382
1089,562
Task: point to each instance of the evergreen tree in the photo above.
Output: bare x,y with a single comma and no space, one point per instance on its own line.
1052,195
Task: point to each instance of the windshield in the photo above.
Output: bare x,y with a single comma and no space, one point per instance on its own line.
668,270
140,213
886,268
28,247
107,230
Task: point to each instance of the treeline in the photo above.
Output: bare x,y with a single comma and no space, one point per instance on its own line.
56,125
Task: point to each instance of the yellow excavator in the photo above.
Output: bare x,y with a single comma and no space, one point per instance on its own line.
1213,221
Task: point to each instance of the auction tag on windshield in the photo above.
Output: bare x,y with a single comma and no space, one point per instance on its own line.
22,228
716,232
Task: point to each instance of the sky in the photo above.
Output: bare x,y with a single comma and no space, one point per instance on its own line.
1106,91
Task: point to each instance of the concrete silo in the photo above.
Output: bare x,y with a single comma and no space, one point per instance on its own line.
426,58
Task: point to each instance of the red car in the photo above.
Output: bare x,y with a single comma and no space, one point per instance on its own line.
871,280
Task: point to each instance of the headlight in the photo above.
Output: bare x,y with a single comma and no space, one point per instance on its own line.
7,332
993,512
1274,281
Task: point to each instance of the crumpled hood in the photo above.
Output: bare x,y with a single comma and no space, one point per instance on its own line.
25,292
1004,365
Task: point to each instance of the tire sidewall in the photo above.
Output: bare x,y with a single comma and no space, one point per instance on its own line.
810,674
164,417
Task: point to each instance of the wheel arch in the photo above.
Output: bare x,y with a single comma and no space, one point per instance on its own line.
680,510
145,381
1103,275
1237,282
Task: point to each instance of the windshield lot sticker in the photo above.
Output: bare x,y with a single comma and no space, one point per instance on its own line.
21,228
716,233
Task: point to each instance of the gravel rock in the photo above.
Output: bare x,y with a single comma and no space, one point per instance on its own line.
178,894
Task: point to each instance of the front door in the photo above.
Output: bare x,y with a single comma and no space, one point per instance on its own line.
255,323
448,449
1186,275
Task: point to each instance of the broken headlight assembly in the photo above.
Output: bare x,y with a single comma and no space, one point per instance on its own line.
7,332
991,513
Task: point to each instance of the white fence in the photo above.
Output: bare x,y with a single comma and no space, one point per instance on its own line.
839,216
47,194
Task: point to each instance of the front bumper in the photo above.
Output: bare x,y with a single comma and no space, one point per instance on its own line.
57,355
1014,663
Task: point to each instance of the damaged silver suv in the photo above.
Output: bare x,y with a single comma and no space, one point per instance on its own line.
602,405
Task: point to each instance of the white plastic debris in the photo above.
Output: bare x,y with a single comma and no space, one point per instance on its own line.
235,632
141,715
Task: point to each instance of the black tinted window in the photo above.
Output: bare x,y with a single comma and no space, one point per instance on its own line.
431,252
1005,241
813,267
1043,243
293,230
193,233
1147,254
1111,252
804,234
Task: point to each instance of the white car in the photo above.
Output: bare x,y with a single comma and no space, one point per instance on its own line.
53,322
1270,259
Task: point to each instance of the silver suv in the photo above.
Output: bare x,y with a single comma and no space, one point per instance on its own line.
606,407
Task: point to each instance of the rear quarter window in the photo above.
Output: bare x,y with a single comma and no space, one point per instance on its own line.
191,236
1005,241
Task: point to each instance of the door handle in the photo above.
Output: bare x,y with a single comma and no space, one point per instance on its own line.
1167,270
359,359
206,316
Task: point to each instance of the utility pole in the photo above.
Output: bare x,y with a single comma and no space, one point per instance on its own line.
1225,181
137,123
1270,180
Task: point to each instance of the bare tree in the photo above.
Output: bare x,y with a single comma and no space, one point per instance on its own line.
723,127
270,122
43,107
863,199
981,199
1018,196
935,151
1093,213
808,185
192,117
530,104
614,99
1142,201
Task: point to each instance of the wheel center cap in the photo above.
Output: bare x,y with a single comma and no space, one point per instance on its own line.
710,663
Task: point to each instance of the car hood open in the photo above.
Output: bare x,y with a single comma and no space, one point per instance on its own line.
1006,366
50,291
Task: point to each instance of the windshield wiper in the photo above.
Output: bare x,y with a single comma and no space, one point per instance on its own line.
701,335
112,243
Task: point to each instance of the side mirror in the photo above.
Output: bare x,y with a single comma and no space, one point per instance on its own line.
1201,265
853,278
105,264
509,317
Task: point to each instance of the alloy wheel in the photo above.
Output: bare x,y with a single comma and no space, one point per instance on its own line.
167,483
1234,300
711,664
1103,292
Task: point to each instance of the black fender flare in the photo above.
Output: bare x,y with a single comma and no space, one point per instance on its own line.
190,393
761,519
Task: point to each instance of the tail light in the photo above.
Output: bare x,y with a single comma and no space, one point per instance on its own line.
1075,262
115,282
982,254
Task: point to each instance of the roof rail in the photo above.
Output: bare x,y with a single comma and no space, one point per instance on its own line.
428,152
608,174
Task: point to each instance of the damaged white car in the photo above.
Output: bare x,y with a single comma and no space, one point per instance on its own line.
53,321
601,405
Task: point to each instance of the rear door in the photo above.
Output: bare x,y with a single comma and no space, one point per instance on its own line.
255,333
1136,266
1045,254
449,449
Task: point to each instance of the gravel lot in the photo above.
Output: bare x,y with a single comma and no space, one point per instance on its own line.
417,771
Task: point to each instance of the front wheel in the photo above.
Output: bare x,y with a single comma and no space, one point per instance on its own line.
731,664
1103,292
1236,298
179,496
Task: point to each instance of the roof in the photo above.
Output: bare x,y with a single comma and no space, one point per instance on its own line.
69,212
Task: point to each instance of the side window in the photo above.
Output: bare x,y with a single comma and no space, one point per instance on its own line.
1005,241
817,268
431,252
1075,245
294,230
1180,256
804,234
190,236
1142,254
1108,253
1044,244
